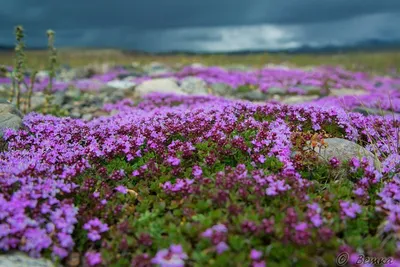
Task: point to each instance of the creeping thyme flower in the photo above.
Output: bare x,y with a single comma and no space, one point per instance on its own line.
349,209
255,254
216,159
122,189
95,227
172,257
221,247
93,258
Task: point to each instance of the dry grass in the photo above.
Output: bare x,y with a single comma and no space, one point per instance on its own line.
374,61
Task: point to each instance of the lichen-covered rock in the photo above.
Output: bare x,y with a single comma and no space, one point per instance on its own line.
344,150
194,86
22,260
10,117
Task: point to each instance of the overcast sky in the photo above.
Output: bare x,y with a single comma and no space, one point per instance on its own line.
209,25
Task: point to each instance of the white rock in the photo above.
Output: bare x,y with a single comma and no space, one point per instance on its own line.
121,84
163,85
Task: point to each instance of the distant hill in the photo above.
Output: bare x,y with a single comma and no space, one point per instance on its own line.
372,45
6,48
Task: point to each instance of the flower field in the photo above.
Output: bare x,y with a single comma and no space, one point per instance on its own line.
206,166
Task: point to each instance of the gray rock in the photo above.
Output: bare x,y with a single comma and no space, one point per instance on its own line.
75,113
371,111
135,64
87,117
22,260
297,99
73,93
67,106
310,89
243,68
156,68
194,85
116,96
275,66
67,75
197,65
276,91
222,89
4,91
121,84
344,150
347,91
4,88
10,117
255,95
162,85
59,98
38,99
43,74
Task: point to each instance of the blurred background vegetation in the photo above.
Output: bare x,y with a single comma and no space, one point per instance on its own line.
379,62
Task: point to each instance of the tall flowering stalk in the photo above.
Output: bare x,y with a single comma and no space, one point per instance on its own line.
18,74
30,90
51,68
52,60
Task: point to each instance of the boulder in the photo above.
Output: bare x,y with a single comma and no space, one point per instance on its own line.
344,150
161,85
10,117
194,86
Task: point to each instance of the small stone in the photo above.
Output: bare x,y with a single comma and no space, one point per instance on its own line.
121,85
221,89
42,75
73,93
297,99
59,97
276,91
255,95
156,69
73,260
242,68
37,100
87,117
75,113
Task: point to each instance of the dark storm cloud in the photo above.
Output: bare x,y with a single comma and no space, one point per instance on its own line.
138,23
